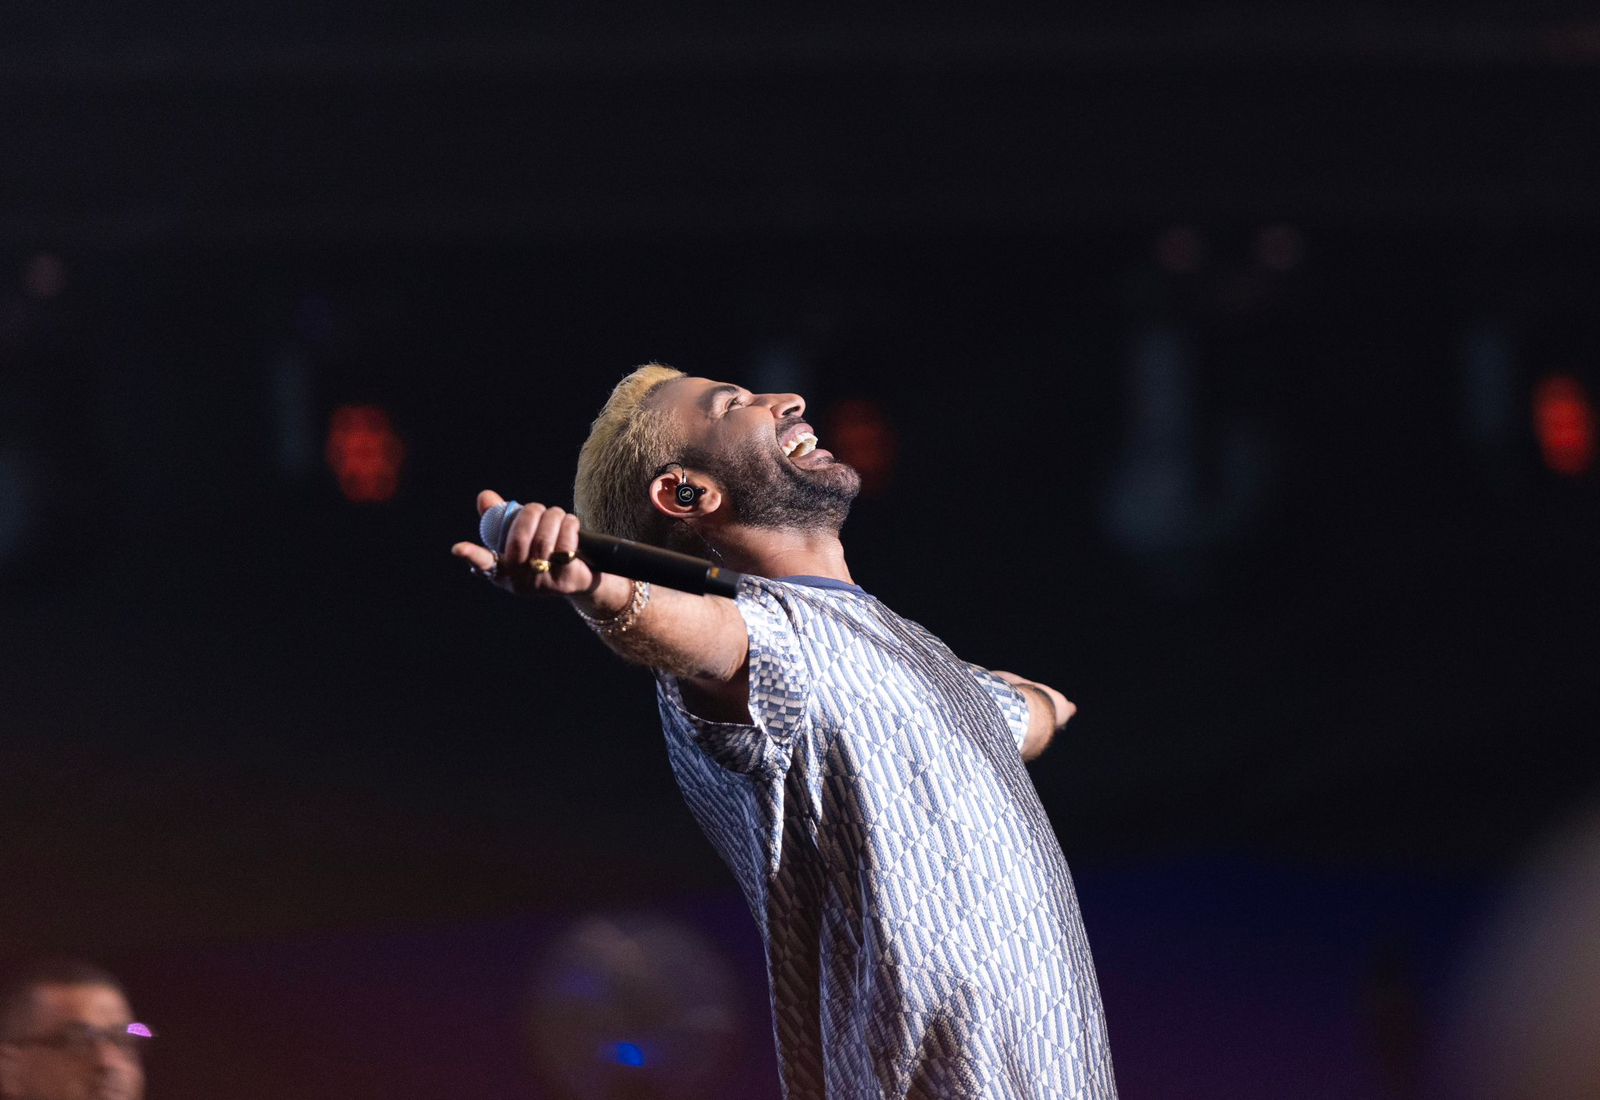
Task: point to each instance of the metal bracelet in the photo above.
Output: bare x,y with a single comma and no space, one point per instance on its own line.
623,620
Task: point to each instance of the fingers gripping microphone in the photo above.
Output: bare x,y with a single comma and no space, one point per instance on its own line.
635,560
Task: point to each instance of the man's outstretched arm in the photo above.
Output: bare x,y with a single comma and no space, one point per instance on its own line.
701,639
1048,711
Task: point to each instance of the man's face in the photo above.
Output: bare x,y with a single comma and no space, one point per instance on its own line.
763,453
73,1046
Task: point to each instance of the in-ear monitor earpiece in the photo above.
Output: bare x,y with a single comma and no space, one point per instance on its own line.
685,494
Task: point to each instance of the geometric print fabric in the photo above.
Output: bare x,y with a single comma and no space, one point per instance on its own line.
923,937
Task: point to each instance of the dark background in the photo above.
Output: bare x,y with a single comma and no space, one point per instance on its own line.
1207,344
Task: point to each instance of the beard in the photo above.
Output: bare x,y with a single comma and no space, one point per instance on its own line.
770,492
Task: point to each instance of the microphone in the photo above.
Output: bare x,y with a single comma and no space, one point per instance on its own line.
635,560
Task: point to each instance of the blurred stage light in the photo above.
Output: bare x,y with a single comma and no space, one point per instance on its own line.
45,276
1279,248
860,435
1180,250
365,453
629,1054
1563,419
634,1006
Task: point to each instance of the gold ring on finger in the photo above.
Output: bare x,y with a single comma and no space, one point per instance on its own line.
539,565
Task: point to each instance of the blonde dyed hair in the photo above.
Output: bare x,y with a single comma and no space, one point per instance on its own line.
628,442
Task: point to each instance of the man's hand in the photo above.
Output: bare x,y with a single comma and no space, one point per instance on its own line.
1048,711
699,638
538,534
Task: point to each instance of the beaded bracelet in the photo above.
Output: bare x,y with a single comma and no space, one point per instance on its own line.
623,620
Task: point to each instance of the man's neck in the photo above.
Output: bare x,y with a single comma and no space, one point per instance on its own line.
782,552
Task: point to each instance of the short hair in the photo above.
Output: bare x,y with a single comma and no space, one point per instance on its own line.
19,984
628,444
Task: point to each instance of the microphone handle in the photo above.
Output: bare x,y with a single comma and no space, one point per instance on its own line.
642,562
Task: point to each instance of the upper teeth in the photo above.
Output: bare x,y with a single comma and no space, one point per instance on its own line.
802,444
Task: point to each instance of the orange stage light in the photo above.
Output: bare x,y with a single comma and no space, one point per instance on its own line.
365,453
1563,418
861,436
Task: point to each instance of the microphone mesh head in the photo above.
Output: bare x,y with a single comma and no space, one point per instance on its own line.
493,524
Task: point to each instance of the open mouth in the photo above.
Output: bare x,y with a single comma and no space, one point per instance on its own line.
799,445
797,440
802,444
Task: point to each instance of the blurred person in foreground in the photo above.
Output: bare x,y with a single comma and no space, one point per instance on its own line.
1526,1011
865,785
67,1033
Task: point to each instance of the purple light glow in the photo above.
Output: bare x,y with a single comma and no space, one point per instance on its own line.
141,1030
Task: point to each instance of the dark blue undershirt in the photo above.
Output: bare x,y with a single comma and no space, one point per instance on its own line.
824,582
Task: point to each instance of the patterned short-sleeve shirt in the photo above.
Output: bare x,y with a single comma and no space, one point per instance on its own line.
923,938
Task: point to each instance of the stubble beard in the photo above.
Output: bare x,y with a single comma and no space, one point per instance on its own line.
770,493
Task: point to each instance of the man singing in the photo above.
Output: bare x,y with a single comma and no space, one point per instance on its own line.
864,784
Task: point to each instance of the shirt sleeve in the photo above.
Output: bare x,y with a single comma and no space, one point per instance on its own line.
1012,703
779,688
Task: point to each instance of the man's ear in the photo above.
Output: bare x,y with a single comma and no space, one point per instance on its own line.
668,496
